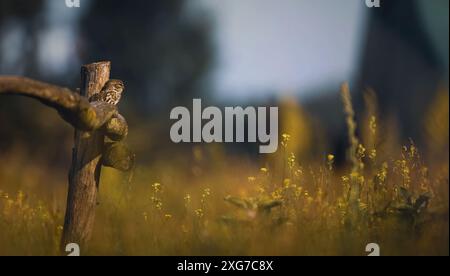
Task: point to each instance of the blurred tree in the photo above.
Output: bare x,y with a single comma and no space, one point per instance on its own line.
20,24
402,63
160,51
19,30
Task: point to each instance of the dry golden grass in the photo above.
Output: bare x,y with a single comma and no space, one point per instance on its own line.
209,203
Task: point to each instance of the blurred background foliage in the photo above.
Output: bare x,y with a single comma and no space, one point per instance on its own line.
290,53
167,53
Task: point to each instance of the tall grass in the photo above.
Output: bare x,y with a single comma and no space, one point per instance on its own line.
210,203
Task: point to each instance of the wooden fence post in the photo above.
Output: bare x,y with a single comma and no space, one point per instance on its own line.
84,175
92,121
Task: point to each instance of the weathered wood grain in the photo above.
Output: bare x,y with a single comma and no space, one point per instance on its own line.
84,176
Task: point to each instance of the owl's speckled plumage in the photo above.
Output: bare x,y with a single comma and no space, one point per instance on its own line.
111,92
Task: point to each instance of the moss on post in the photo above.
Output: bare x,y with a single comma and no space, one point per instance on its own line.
118,156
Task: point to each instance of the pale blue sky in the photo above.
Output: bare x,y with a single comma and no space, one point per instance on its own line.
262,46
289,46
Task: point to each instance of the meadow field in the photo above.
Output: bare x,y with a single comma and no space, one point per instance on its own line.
206,201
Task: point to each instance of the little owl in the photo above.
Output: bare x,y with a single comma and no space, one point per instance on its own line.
111,92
